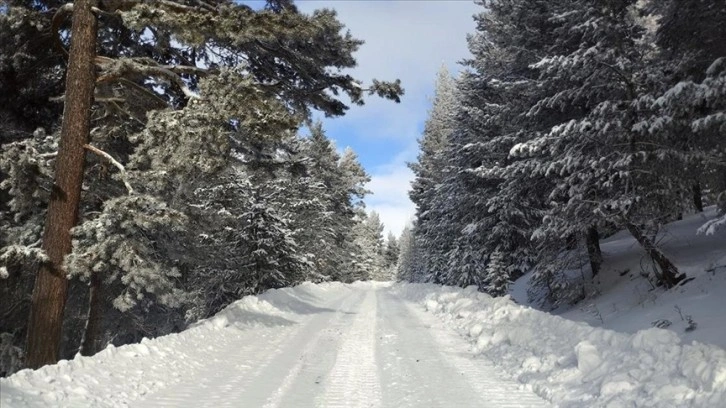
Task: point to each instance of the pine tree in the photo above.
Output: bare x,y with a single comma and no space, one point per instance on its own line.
51,286
408,262
368,262
273,259
325,230
155,109
392,251
601,166
687,95
430,170
497,206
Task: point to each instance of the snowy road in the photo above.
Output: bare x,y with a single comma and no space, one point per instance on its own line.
366,348
363,345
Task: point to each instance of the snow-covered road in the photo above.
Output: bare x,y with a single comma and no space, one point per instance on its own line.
366,348
384,345
311,346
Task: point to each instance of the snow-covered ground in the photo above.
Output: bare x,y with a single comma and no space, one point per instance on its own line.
574,364
625,301
384,345
327,345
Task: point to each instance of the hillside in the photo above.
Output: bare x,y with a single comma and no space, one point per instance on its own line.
622,299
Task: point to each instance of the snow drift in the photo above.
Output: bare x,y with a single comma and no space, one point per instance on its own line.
577,365
117,376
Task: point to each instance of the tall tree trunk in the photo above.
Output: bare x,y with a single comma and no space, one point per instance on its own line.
592,242
51,286
669,273
697,197
89,345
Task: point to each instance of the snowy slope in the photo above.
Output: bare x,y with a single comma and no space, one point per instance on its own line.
625,301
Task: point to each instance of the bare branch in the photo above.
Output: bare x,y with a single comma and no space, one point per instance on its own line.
113,161
63,12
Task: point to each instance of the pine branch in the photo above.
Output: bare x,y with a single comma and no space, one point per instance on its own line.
115,69
119,166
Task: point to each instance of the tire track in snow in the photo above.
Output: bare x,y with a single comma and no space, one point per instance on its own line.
227,370
427,365
354,379
365,348
234,370
302,383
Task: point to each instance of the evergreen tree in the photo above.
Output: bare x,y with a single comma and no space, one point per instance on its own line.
687,96
430,170
368,260
326,230
162,125
392,251
407,264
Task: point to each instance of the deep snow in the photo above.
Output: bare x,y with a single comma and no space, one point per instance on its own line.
384,345
574,364
623,300
327,345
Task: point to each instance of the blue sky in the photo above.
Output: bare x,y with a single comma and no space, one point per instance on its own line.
409,40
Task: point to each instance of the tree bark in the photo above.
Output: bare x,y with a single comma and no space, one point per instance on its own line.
697,197
592,242
89,345
669,273
51,286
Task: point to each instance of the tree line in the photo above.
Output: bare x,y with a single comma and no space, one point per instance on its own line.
573,119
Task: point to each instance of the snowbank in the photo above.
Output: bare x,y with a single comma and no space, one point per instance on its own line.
117,376
577,365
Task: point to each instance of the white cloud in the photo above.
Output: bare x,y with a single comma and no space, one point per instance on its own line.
390,198
409,40
389,185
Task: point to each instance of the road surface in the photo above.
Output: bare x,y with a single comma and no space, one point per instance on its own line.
364,347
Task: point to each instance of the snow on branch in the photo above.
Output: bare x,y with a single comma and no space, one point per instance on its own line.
113,161
116,69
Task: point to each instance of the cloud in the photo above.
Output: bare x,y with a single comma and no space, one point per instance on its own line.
390,198
389,185
409,40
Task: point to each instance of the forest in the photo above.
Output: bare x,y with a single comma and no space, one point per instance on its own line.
174,175
572,120
161,159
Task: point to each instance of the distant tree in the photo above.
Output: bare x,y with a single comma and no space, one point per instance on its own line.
369,262
391,251
406,256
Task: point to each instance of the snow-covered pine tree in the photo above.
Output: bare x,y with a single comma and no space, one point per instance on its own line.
336,187
603,169
153,78
405,265
368,261
390,255
429,172
687,95
501,204
272,258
